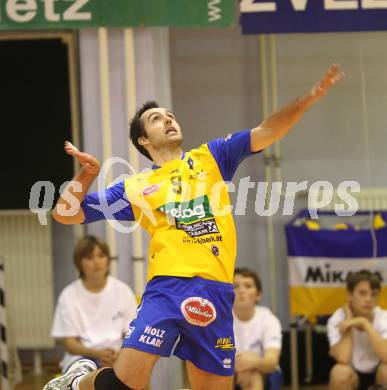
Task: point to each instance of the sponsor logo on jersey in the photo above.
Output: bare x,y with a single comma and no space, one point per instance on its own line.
186,212
198,311
200,228
150,190
215,250
194,217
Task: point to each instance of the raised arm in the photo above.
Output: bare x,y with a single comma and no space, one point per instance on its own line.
276,126
67,209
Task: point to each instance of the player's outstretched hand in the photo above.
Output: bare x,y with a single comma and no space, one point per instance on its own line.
332,77
90,163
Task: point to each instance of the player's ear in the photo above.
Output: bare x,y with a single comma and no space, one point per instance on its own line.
143,141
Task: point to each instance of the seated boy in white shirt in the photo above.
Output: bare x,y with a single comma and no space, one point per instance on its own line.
93,312
257,331
357,336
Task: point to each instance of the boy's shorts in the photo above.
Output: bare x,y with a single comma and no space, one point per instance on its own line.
189,317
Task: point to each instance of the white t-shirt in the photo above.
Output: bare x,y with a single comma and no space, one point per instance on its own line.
98,320
364,358
261,332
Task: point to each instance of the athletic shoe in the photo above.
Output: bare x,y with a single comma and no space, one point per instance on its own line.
64,382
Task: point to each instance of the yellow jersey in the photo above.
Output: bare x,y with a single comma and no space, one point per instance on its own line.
185,207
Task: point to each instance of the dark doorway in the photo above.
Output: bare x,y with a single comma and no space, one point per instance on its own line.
35,117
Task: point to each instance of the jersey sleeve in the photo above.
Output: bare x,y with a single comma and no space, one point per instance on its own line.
229,152
272,337
112,203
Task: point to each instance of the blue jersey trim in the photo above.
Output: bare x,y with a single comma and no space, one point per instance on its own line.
109,204
229,152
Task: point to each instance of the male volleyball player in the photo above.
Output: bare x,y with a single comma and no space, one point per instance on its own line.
182,203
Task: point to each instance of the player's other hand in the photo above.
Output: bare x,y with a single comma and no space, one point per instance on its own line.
89,162
332,77
107,357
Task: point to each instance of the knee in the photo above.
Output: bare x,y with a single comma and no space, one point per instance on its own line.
381,374
257,377
342,374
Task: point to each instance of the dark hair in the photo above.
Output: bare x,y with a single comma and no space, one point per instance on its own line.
354,278
84,248
248,273
137,128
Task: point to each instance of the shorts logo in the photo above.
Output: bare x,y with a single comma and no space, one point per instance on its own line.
198,311
129,332
152,336
227,363
150,190
225,343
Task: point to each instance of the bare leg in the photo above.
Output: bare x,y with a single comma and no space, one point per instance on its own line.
251,380
202,380
343,377
257,381
132,367
381,374
87,382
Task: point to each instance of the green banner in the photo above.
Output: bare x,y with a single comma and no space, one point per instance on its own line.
60,14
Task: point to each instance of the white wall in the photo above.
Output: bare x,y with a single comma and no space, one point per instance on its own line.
216,89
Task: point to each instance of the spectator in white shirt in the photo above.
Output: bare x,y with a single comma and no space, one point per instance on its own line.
357,336
257,332
93,313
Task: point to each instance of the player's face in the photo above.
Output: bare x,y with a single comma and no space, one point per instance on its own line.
161,128
363,299
95,265
246,293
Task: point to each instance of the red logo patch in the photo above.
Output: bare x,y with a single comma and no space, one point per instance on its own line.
150,190
198,311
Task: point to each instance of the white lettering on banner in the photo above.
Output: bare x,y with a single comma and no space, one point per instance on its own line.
214,10
341,4
73,13
249,6
330,272
49,11
299,5
26,10
374,4
21,12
